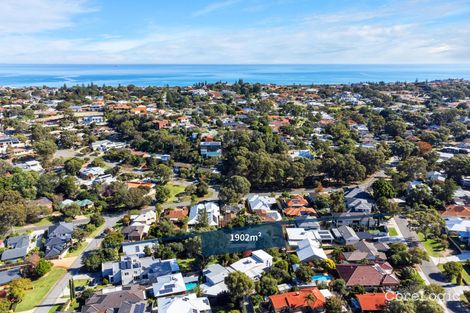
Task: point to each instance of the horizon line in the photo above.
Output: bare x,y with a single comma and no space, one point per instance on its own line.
228,64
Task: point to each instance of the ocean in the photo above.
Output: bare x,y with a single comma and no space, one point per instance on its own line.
16,75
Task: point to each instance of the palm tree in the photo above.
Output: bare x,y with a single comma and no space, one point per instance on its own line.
310,299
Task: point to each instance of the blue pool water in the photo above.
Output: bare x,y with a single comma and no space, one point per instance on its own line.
321,278
190,286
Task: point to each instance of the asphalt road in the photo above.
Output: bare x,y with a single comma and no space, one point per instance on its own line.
55,293
432,273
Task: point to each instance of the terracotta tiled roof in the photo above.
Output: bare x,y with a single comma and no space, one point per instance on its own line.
457,211
177,213
297,299
374,301
299,211
297,201
367,275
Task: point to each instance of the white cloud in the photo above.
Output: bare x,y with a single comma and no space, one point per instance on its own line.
390,34
35,16
215,6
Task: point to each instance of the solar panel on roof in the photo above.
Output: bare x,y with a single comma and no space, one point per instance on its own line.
139,308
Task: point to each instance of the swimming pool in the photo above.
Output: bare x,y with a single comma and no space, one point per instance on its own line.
190,286
322,278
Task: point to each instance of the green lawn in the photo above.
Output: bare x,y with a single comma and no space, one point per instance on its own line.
84,244
76,252
94,233
185,264
43,222
40,288
465,272
55,308
174,191
433,247
81,282
392,232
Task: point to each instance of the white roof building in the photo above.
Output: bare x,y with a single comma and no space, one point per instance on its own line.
297,234
215,280
34,166
148,218
253,266
310,250
257,202
262,203
184,304
171,284
212,210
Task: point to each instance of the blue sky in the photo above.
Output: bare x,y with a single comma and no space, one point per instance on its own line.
235,31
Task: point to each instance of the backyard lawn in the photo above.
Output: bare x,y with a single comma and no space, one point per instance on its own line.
185,264
432,246
40,288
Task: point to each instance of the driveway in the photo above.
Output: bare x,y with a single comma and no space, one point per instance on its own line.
432,273
54,295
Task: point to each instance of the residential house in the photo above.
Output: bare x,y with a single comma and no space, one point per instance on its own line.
94,119
347,235
7,142
307,223
59,237
190,303
214,280
135,232
18,248
168,285
117,300
8,275
309,250
297,234
297,201
304,154
137,248
353,218
364,250
358,200
105,145
211,149
104,179
323,235
176,215
296,302
91,172
133,269
262,205
461,211
374,302
300,211
211,209
41,202
34,166
368,275
253,266
435,176
148,218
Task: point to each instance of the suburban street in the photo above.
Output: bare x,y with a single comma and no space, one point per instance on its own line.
54,295
432,273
